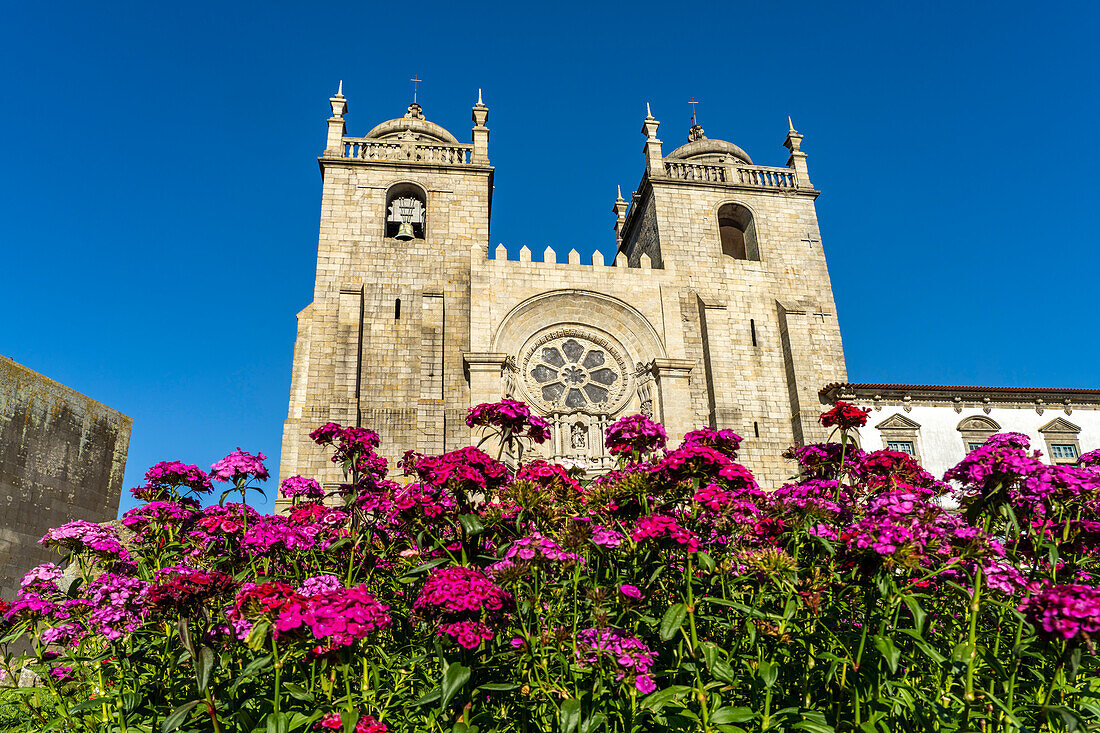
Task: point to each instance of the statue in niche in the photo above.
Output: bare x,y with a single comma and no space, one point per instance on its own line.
578,436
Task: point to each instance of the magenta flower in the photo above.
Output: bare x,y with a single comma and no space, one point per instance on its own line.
512,417
631,591
656,527
725,442
42,575
605,537
301,486
339,616
634,435
618,649
537,547
460,595
1068,611
79,535
239,466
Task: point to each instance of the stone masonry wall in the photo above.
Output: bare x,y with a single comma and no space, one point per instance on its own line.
62,457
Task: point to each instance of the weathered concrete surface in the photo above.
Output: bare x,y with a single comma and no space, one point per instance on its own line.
62,457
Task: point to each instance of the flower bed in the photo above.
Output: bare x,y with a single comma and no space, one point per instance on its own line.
669,594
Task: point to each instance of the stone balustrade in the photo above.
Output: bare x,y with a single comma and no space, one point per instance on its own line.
756,175
406,151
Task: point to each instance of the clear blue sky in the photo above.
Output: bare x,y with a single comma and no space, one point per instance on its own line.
159,195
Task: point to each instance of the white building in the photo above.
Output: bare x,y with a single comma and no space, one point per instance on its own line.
939,424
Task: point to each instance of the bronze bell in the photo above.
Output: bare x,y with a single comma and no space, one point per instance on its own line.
405,232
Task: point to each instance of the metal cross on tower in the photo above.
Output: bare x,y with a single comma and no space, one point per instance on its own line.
821,313
415,81
693,103
809,239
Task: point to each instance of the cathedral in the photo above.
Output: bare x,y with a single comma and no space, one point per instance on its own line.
717,310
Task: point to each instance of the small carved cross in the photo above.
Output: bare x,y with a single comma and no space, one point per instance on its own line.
809,239
415,81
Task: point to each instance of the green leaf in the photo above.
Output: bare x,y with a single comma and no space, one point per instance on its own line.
722,670
498,686
298,692
706,562
471,524
453,679
253,667
277,723
570,716
918,613
962,652
257,637
889,650
594,723
176,717
673,619
729,714
185,635
79,707
130,701
660,698
425,567
299,720
204,665
768,672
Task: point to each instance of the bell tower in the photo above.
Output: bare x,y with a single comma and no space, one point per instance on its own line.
757,302
381,345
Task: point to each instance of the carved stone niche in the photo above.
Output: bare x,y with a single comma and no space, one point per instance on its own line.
975,430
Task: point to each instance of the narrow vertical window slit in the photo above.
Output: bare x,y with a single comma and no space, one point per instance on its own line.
756,429
752,330
397,309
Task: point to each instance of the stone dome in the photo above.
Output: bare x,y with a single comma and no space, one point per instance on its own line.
705,150
412,126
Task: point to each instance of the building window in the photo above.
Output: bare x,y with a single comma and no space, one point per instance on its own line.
737,232
1061,439
406,212
1063,452
902,446
900,434
975,430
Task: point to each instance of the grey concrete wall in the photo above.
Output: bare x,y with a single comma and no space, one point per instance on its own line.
62,456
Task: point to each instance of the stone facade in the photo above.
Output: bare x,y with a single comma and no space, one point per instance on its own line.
717,309
62,457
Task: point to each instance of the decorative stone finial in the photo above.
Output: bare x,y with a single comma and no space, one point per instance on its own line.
340,90
338,103
648,113
479,96
790,125
696,133
415,112
619,188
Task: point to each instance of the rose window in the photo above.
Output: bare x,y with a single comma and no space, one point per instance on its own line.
573,373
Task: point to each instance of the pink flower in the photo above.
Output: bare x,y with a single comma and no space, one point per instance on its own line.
301,486
631,591
634,435
512,417
661,527
845,416
239,465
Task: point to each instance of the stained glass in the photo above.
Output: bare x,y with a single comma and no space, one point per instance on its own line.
573,350
596,394
593,360
553,392
543,373
603,376
574,399
552,356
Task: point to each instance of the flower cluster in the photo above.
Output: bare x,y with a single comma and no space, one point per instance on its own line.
513,418
634,435
300,486
845,416
464,602
240,466
1068,611
182,590
724,441
99,539
169,477
339,617
536,547
656,527
625,652
365,724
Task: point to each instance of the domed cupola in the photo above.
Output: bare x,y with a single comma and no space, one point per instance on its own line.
413,126
701,149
